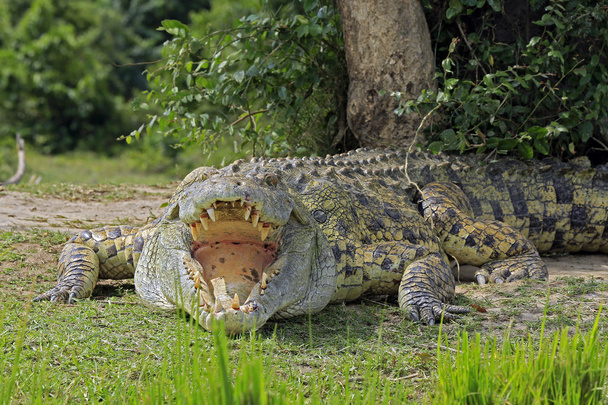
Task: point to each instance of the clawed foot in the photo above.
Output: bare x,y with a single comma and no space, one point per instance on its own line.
512,269
63,294
429,310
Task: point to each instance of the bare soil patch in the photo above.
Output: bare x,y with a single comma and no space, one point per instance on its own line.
85,210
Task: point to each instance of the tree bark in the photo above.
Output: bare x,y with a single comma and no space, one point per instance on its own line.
388,48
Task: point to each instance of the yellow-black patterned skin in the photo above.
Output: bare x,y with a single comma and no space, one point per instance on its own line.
392,222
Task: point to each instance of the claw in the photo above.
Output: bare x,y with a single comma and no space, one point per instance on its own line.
481,279
499,280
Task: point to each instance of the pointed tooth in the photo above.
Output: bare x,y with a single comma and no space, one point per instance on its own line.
264,231
215,205
232,203
197,280
235,302
245,309
261,292
255,217
264,281
205,222
194,231
218,306
199,226
211,213
247,212
201,300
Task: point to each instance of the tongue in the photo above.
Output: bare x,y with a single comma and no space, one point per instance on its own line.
240,265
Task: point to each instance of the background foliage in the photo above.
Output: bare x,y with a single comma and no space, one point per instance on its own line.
531,79
269,77
66,78
276,80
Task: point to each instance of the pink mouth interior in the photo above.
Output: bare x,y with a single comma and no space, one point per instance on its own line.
233,248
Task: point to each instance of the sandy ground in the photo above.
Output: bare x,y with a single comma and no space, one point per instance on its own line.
19,210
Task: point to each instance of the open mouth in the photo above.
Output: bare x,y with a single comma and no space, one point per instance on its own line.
234,248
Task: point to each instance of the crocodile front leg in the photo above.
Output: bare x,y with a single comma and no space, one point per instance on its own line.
426,288
501,251
78,274
108,253
419,274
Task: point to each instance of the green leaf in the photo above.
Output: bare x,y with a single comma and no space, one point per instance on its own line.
507,144
454,9
495,4
435,147
525,150
282,93
302,30
492,143
176,28
239,76
538,132
252,71
315,29
585,130
595,59
541,145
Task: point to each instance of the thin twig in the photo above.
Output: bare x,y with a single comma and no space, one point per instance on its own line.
407,377
249,114
466,41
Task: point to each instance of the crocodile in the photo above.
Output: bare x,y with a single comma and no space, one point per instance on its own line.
276,238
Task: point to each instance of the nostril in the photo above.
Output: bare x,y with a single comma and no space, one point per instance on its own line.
238,183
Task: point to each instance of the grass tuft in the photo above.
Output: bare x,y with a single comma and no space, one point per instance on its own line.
570,368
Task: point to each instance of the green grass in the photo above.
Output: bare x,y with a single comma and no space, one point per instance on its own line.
568,368
142,164
112,349
115,353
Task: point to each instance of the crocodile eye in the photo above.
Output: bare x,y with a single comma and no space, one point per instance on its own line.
271,180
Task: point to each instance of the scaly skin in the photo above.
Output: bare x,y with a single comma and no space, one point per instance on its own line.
284,237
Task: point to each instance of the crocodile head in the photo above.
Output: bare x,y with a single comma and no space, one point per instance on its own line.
251,252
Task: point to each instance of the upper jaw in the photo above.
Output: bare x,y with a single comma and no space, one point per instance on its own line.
257,202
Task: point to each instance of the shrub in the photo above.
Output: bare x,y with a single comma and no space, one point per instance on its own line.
547,94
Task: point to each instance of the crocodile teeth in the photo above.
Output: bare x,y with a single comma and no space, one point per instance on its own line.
218,306
205,222
265,231
245,309
255,217
247,212
194,230
197,279
211,213
199,226
235,302
264,281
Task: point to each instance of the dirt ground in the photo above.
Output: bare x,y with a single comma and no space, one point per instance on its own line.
20,210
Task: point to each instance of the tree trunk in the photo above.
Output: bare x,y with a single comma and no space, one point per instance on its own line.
388,48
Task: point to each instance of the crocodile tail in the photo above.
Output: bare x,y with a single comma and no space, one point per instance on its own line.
560,207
